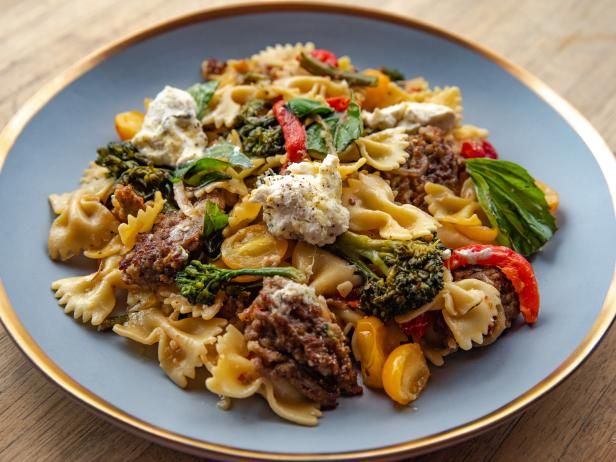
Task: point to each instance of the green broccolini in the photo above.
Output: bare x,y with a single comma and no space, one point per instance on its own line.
119,157
200,282
400,276
260,133
129,167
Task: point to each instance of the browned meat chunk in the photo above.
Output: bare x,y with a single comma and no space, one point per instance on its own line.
126,202
160,254
495,277
212,67
294,337
432,159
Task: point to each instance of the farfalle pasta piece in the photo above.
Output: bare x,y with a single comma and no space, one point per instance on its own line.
228,100
181,344
470,309
370,202
241,215
281,55
325,270
95,181
313,87
385,150
92,297
289,404
141,223
180,305
84,223
469,132
235,376
458,215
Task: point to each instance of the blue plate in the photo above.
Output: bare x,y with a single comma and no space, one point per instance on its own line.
46,147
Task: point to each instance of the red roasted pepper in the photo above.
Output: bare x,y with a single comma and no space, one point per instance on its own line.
293,132
325,56
338,103
416,327
513,265
473,150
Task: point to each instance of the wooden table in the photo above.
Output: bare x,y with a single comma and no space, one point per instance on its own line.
570,44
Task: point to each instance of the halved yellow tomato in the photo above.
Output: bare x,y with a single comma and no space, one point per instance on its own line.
405,373
368,347
253,247
127,124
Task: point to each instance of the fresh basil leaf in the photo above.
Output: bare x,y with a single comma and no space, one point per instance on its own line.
204,169
303,107
202,94
513,204
315,141
215,219
317,135
229,153
348,128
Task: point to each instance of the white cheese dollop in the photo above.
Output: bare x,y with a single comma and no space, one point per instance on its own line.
171,133
305,203
410,116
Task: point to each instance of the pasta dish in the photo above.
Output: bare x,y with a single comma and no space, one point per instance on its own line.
300,228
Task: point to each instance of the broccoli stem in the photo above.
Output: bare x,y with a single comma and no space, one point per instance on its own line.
317,67
354,246
200,282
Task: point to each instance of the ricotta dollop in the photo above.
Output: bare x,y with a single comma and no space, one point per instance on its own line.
305,203
171,133
410,116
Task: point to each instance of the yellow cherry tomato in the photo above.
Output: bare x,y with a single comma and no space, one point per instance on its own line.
373,96
253,247
127,124
551,196
368,347
405,373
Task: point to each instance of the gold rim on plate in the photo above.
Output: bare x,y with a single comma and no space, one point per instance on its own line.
30,348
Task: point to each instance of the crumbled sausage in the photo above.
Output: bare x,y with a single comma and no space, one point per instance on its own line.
160,254
294,337
126,202
432,159
212,67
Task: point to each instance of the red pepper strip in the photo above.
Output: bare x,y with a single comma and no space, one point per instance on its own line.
325,56
293,132
473,150
513,265
416,327
338,103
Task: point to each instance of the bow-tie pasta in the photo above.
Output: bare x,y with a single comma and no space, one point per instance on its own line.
181,344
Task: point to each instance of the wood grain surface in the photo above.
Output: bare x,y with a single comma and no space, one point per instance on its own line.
568,43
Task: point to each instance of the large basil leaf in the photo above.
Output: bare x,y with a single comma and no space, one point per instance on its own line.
214,221
303,107
202,94
348,128
513,204
229,153
341,128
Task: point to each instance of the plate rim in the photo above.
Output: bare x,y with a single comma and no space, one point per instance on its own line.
591,138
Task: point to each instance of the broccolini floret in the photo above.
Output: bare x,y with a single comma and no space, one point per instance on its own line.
200,282
260,133
119,157
129,167
400,276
